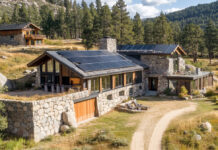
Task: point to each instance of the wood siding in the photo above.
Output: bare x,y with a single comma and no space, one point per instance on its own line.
85,109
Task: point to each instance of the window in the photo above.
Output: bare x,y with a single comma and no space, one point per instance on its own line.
119,80
12,37
50,65
129,78
106,83
138,77
43,68
95,84
121,93
110,97
57,67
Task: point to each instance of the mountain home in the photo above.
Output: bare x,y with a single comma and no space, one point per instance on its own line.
20,34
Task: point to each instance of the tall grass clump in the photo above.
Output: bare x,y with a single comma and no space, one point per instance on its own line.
184,92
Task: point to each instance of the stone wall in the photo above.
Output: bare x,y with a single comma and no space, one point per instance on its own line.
105,104
108,44
181,64
18,40
158,64
38,119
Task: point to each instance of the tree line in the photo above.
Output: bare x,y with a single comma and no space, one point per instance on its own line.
94,21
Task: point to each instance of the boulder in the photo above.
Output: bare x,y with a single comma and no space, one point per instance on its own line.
197,137
206,126
64,128
190,68
69,119
3,57
27,71
5,82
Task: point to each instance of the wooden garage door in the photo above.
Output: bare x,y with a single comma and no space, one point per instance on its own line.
85,109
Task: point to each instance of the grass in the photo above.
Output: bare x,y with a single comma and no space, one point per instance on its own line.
205,64
179,134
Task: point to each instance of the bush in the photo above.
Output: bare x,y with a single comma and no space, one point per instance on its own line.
119,142
183,93
210,93
3,89
15,145
196,92
167,91
3,119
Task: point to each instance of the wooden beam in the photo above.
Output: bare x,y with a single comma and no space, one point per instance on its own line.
100,84
113,82
133,77
60,74
53,75
124,79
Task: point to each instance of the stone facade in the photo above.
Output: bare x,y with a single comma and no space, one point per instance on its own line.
108,44
38,119
164,65
17,39
181,65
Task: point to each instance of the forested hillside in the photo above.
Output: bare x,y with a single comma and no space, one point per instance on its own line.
199,14
66,19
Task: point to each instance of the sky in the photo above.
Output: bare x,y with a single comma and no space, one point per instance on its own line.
152,8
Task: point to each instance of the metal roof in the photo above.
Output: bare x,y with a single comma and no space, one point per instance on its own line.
148,49
91,63
15,26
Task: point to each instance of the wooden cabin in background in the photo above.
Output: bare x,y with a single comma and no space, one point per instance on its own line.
20,34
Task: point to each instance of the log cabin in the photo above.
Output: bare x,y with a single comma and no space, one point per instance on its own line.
20,34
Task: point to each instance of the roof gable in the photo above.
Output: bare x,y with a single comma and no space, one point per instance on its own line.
164,49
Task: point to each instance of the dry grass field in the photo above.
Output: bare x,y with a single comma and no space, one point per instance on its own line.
18,57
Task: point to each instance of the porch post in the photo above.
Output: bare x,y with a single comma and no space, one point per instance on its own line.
113,81
124,79
100,84
133,77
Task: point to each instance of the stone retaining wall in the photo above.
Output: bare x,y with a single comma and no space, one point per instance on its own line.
17,40
38,119
105,104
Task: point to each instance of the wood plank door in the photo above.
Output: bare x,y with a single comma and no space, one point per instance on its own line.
85,109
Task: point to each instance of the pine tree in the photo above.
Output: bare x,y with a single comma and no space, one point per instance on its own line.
148,32
123,23
23,13
211,39
138,29
191,38
87,25
68,19
98,6
5,18
116,25
162,31
60,24
15,16
106,20
176,32
75,20
92,10
35,16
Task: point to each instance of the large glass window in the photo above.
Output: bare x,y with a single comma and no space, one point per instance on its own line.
50,65
43,68
95,84
129,78
57,67
106,83
119,80
138,77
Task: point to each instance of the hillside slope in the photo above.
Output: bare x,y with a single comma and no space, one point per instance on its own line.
199,14
8,5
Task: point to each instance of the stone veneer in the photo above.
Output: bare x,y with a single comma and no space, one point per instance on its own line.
38,119
18,39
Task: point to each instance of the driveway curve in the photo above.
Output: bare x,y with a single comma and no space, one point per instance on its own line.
155,121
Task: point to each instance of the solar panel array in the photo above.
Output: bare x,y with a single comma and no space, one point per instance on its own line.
90,61
155,48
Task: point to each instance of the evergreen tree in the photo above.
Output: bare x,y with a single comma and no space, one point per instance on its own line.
191,39
123,23
35,16
5,18
211,39
68,19
75,20
23,13
116,25
138,29
60,24
148,32
106,20
176,32
162,31
87,25
92,10
98,6
15,16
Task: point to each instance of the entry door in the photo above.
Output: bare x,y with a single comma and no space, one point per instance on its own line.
85,110
152,84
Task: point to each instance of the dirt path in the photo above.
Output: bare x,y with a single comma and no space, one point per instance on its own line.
150,130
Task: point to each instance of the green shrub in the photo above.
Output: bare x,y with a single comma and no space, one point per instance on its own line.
15,144
168,91
3,118
119,142
47,139
184,92
3,89
210,93
196,92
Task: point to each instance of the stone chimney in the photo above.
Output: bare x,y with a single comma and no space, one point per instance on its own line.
109,44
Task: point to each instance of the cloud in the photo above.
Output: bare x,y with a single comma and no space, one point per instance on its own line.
172,10
157,2
144,11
